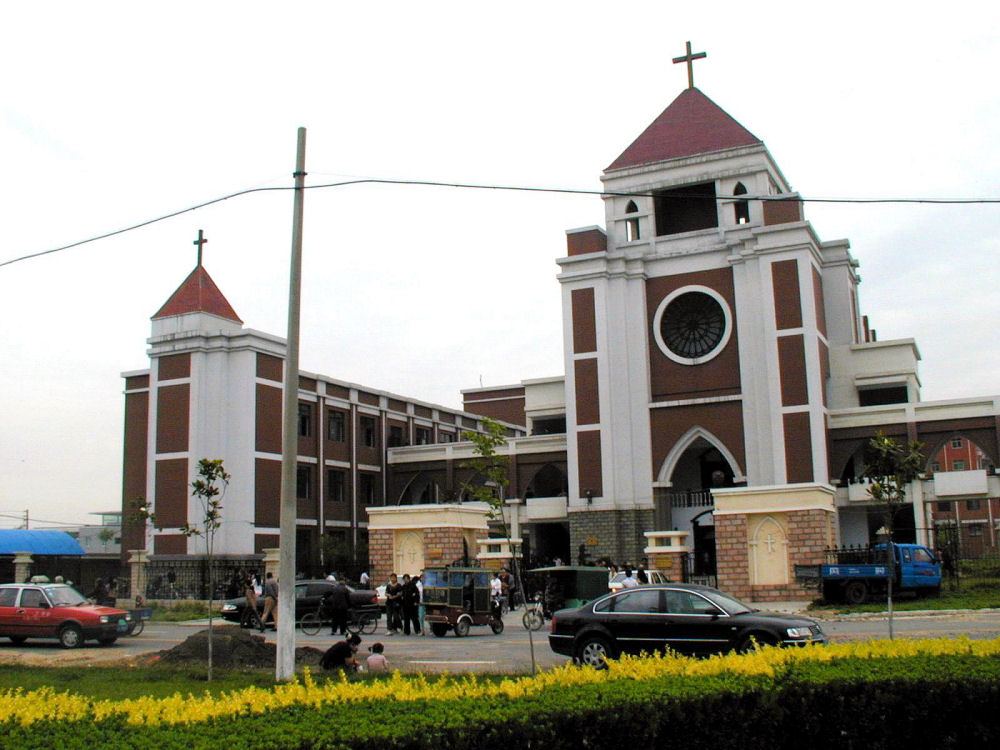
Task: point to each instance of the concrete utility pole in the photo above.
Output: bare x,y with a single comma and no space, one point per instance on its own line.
284,666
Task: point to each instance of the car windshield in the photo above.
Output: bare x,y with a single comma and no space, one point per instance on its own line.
731,605
65,596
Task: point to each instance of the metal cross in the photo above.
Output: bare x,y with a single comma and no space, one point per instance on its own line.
199,242
689,58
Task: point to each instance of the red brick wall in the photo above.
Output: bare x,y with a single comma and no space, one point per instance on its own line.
732,555
809,533
380,555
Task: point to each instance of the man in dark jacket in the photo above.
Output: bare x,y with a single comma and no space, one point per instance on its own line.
337,605
341,655
411,604
393,604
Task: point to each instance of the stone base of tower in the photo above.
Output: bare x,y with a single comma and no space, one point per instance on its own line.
618,535
408,538
762,533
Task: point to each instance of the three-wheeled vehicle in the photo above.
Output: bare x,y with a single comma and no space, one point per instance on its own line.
458,598
563,586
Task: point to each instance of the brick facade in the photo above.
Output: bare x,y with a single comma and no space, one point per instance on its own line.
809,533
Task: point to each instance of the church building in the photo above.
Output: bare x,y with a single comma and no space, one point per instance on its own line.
721,384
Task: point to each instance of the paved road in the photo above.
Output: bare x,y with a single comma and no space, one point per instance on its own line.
481,651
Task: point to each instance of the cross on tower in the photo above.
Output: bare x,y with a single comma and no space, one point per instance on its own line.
199,242
689,58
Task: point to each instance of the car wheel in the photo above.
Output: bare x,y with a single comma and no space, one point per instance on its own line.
17,640
497,626
754,641
107,640
439,629
856,592
70,636
594,651
462,627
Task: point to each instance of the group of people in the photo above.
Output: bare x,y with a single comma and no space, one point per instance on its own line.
105,593
503,587
633,576
342,655
404,605
252,591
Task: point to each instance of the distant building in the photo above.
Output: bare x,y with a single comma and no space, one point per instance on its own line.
104,538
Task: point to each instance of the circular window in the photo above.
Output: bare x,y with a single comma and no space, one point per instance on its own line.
692,325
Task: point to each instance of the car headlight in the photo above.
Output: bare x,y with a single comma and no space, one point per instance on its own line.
104,619
228,607
803,631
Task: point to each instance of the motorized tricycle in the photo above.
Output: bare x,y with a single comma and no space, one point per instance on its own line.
458,598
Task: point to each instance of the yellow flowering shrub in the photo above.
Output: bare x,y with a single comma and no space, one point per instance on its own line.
26,707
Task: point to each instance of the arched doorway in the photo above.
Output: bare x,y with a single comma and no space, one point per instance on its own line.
698,463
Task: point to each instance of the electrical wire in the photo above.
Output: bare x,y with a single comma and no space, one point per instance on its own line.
516,188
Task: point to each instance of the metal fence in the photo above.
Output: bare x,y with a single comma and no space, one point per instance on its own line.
81,571
183,577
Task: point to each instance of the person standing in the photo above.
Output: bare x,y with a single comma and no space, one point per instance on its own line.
250,617
629,582
410,603
270,602
419,583
393,603
338,604
364,580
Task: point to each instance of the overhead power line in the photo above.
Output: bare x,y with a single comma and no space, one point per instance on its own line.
516,188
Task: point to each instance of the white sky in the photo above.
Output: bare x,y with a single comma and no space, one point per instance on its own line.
116,113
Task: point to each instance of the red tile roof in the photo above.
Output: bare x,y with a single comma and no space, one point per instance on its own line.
692,124
198,293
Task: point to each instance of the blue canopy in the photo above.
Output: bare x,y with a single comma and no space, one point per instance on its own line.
38,542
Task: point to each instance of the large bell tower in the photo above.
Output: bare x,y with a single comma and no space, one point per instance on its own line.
697,351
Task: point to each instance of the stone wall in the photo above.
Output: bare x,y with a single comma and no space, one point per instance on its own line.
615,534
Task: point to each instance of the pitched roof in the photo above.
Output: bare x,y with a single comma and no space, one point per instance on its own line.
39,542
198,293
692,124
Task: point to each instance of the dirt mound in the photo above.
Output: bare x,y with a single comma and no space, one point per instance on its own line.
233,647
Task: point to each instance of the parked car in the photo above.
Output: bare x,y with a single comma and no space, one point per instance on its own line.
57,610
686,618
654,576
308,595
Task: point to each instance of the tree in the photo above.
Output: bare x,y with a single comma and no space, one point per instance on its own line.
890,467
491,468
208,488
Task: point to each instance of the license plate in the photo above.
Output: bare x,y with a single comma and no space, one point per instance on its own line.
122,626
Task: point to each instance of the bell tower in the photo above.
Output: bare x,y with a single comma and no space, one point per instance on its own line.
695,334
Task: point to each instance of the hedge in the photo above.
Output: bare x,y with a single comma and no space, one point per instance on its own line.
778,700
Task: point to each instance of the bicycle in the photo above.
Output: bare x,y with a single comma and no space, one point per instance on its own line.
357,622
535,614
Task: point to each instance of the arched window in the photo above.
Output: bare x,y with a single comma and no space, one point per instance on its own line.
742,208
631,225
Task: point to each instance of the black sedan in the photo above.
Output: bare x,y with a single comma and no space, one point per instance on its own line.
308,595
686,618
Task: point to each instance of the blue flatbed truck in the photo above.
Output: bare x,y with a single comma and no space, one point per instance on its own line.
856,574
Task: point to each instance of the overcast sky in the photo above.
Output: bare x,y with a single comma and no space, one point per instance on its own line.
116,113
